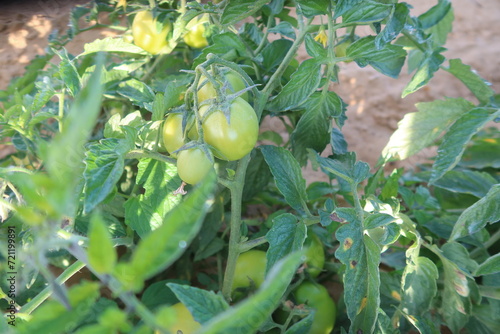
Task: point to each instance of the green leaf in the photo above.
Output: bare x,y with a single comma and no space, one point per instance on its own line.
301,85
111,44
138,93
313,129
425,72
146,212
64,155
423,324
163,246
464,181
384,324
257,176
313,8
475,218
346,5
315,49
274,53
68,72
455,140
490,266
101,253
420,129
388,60
484,151
104,166
361,257
377,220
477,85
394,25
338,142
434,15
370,11
203,305
226,45
459,255
456,304
285,236
303,326
439,32
237,10
346,167
247,316
288,176
419,275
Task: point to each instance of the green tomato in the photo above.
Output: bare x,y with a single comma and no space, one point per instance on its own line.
184,320
341,50
315,254
195,37
193,165
250,269
316,296
207,91
173,138
146,33
234,140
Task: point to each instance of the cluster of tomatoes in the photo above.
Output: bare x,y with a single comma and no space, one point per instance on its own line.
228,135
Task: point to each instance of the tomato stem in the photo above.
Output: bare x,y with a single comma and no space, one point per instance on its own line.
236,189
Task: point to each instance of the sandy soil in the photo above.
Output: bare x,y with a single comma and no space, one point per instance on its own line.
375,104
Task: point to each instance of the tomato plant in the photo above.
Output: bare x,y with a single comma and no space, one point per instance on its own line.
88,192
234,138
316,296
150,34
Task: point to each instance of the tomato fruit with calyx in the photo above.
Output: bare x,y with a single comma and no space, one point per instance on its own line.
147,34
184,320
250,267
231,141
316,296
315,254
193,165
195,37
207,91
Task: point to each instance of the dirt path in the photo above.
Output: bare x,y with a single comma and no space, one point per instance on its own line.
375,104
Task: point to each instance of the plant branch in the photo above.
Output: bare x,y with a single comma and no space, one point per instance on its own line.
235,232
45,293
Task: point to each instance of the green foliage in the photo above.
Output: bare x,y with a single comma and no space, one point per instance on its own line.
89,186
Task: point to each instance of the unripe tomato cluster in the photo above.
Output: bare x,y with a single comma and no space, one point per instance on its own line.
230,136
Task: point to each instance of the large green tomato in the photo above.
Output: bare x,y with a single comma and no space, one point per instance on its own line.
193,165
207,91
315,254
146,34
250,267
195,37
173,138
316,296
231,141
184,320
